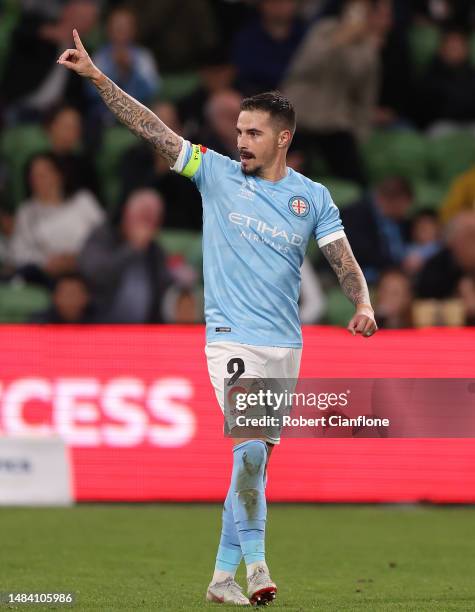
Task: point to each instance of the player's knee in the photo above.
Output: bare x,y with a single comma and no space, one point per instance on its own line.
250,459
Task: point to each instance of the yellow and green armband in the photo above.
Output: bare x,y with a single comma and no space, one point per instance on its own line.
194,162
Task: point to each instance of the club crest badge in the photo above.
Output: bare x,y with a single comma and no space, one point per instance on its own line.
299,206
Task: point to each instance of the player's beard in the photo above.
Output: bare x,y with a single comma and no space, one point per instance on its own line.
251,171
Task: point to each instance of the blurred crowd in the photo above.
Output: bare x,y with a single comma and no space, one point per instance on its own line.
94,227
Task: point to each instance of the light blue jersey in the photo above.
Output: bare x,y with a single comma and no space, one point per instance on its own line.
255,234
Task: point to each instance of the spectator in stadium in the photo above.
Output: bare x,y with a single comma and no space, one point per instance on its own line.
141,166
466,294
263,49
178,34
313,9
3,253
333,83
461,241
393,109
442,273
441,12
215,74
425,240
124,267
42,32
394,103
70,302
393,300
64,129
396,79
461,196
446,93
219,132
231,17
377,226
52,224
182,306
6,230
132,67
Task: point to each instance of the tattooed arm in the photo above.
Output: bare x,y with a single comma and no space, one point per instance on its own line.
138,118
353,283
349,274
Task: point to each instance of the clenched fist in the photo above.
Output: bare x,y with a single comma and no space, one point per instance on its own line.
363,321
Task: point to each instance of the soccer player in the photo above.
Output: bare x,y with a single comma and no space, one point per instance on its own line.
258,216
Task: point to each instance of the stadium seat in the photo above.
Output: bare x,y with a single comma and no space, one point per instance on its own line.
19,302
339,308
183,242
428,194
9,16
116,140
431,313
396,152
424,41
17,145
450,155
177,86
343,192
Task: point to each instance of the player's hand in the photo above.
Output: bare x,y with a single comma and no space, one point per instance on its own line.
78,59
363,321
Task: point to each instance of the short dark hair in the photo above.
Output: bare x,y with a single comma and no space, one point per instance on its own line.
75,277
274,103
54,111
70,277
425,211
59,164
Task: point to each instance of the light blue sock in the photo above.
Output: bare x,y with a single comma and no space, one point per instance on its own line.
249,500
229,552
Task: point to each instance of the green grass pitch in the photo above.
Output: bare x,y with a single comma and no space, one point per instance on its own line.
326,558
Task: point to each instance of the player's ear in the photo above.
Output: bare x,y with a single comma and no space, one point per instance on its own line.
284,139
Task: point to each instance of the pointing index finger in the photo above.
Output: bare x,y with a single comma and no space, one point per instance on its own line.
77,41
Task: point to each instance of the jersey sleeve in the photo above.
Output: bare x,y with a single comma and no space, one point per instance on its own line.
329,226
200,164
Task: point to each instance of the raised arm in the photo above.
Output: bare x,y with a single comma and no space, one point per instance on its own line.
137,117
353,283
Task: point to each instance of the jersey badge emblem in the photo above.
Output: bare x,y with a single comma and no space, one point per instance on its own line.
299,206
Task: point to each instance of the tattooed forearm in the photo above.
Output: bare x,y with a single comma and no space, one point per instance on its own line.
138,118
349,274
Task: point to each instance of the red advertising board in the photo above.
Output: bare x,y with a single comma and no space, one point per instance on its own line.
136,408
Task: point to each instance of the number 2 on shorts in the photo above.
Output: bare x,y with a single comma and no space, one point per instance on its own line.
235,371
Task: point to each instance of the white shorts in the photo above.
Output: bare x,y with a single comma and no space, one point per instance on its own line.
228,359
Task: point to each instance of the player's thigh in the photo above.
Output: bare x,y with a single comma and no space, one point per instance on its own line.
231,361
283,363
